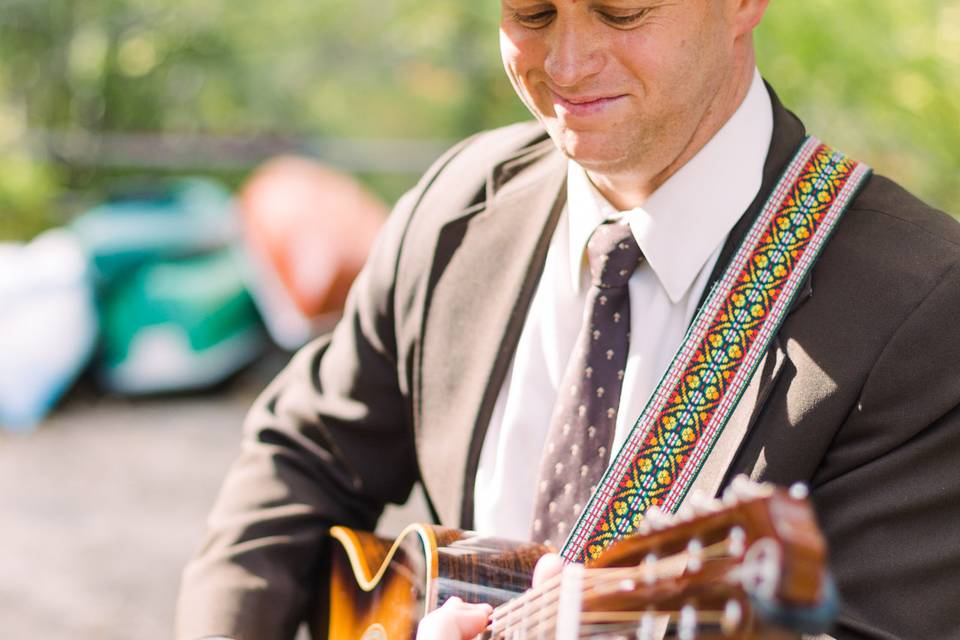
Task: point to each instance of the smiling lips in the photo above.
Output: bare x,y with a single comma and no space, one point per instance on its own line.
585,105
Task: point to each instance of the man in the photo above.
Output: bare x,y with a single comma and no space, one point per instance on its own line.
457,336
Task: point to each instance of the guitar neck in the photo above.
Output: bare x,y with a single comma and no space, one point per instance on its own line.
655,599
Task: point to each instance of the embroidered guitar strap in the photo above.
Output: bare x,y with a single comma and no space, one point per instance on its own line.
672,438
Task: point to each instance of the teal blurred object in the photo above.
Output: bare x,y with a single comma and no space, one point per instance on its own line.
175,314
48,325
178,325
183,217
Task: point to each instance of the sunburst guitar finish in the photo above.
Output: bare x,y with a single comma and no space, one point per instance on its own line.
380,589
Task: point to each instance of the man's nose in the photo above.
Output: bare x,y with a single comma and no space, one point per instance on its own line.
573,54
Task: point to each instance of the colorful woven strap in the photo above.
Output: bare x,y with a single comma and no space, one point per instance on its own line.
725,343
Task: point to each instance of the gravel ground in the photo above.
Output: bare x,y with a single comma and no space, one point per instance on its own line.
105,502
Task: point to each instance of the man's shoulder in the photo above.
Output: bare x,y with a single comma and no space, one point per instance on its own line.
477,158
889,250
481,151
504,142
456,188
474,168
892,223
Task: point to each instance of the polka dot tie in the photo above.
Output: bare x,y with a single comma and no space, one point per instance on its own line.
585,414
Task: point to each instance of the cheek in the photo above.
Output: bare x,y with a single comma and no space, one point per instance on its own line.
522,52
509,52
660,73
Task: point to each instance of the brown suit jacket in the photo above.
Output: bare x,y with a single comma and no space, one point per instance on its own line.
858,396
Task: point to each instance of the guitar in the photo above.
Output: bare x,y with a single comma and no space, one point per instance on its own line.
752,565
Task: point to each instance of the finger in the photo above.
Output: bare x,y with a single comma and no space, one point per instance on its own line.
547,567
472,619
455,620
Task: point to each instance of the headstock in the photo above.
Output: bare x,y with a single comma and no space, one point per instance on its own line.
738,567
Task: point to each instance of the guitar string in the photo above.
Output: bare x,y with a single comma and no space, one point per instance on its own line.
503,616
706,619
704,616
593,580
604,623
550,588
554,582
536,628
546,615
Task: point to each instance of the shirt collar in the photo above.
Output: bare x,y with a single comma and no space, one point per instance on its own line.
688,217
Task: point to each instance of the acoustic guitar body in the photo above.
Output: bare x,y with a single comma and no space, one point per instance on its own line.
380,589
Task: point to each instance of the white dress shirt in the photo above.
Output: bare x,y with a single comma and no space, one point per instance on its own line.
681,229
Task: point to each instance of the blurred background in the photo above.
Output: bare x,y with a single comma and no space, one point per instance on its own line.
187,189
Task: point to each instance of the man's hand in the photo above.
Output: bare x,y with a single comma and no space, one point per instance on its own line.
455,620
459,620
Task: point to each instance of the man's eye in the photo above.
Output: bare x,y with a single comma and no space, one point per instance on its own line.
628,20
534,20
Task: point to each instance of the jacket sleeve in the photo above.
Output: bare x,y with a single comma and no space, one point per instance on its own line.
892,516
329,441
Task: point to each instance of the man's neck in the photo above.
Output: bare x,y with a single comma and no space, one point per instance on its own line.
631,188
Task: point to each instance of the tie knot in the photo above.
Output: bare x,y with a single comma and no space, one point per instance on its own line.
613,253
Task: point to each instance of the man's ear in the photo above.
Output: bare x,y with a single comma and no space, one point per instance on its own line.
745,15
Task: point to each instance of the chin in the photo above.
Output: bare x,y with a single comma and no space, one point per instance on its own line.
595,150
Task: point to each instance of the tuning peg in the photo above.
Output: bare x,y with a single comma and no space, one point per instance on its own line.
694,555
729,497
738,542
743,488
647,628
658,518
799,491
644,528
702,504
627,586
685,513
732,617
650,568
736,491
687,629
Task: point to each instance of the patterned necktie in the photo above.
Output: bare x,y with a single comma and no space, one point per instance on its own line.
585,414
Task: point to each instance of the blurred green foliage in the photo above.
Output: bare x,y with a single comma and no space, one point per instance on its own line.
878,78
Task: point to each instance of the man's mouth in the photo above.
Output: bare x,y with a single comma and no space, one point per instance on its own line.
584,105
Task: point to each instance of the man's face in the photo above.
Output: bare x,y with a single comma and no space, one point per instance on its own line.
620,85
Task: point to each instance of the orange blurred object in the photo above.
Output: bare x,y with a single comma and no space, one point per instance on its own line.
313,225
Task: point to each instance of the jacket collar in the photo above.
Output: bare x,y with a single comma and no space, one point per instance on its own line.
788,134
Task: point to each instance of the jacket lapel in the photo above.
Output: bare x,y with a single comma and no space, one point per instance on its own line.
488,265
